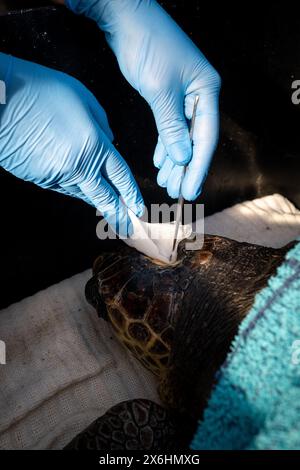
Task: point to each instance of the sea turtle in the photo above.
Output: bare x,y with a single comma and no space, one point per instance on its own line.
180,320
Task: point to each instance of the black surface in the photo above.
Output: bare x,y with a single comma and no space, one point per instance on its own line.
46,237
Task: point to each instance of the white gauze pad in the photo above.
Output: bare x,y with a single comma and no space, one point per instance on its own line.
155,240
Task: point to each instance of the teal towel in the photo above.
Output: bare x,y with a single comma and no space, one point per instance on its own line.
256,402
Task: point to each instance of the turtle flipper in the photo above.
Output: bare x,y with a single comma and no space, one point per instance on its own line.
138,424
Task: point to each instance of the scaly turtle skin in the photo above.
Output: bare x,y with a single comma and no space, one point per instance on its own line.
179,321
131,425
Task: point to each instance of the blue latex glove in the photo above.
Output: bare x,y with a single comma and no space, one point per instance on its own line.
55,134
164,65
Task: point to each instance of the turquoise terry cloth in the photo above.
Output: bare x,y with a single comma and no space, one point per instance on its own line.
256,402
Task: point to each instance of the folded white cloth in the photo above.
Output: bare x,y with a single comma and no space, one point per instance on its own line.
64,366
269,221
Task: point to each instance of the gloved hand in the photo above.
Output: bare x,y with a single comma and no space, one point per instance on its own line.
55,134
164,65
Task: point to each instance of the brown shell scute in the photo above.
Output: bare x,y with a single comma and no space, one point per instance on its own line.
139,331
136,297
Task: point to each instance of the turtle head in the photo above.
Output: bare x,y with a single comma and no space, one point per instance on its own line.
131,280
141,299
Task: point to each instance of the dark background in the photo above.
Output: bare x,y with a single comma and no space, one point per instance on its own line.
45,236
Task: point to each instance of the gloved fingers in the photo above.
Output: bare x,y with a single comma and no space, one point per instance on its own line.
189,105
72,191
99,115
171,177
118,174
104,198
172,128
203,150
174,181
205,138
165,172
208,102
160,154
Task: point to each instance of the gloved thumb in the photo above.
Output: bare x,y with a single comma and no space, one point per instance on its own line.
173,129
